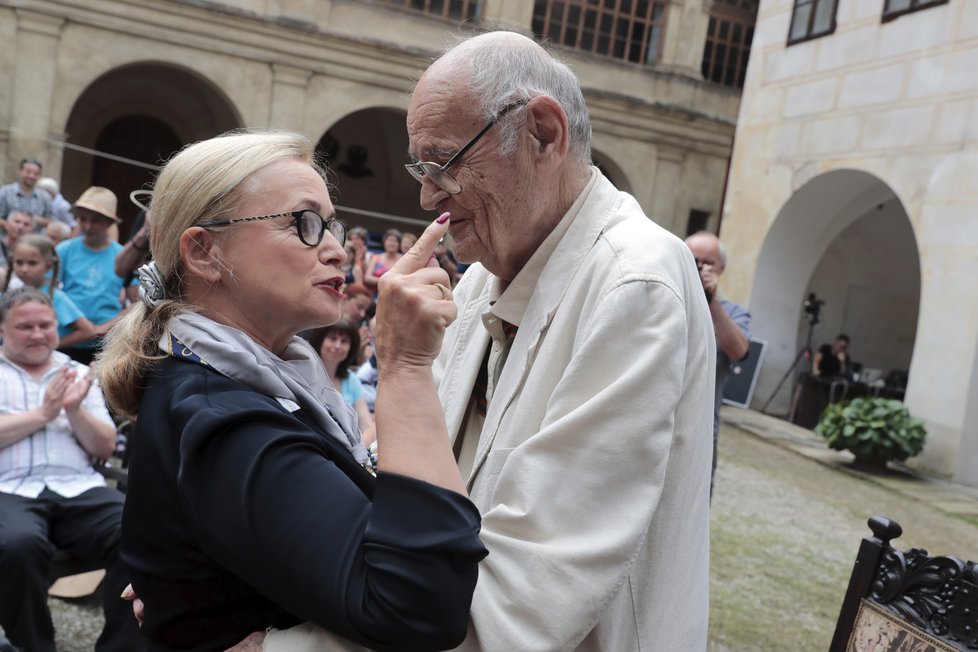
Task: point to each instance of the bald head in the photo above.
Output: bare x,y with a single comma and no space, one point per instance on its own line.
706,248
462,54
495,69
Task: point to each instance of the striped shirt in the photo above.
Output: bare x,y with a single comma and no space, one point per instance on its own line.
51,457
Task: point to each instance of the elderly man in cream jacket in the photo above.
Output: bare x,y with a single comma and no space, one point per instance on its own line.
578,377
577,380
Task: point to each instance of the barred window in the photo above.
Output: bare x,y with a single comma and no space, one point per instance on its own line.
728,39
630,30
450,9
811,19
896,8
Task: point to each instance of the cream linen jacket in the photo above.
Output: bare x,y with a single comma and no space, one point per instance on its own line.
593,469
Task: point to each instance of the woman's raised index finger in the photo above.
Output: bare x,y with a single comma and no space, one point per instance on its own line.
417,256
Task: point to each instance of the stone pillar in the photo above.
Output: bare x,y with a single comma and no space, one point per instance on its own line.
288,103
33,85
685,37
668,176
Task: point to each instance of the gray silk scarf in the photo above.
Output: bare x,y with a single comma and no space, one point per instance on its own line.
297,377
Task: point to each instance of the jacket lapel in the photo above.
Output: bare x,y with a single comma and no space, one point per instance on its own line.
557,275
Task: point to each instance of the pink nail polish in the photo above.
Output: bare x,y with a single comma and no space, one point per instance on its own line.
443,218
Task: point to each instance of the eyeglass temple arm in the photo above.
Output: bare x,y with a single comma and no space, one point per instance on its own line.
506,109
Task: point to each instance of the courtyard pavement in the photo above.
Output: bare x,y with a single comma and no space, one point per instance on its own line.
953,499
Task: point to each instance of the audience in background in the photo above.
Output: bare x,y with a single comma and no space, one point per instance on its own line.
357,239
378,264
23,195
367,372
35,264
58,231
407,241
18,223
60,207
338,346
88,268
55,423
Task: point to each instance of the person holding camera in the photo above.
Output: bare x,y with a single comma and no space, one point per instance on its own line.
731,322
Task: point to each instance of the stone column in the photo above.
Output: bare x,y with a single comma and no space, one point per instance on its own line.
668,177
685,37
288,103
32,90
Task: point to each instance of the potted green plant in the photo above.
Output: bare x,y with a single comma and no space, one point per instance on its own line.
875,430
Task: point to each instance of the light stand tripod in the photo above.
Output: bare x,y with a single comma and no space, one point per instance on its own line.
812,307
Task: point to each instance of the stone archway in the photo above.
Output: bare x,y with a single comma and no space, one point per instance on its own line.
846,236
366,151
142,112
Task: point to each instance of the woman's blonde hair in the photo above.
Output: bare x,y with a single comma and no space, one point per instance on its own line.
204,181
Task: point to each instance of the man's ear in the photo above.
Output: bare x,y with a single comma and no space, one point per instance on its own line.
198,256
547,124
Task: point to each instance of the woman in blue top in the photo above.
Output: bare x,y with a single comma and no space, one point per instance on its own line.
35,263
338,347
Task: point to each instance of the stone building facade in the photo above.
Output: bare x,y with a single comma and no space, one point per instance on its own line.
853,177
137,79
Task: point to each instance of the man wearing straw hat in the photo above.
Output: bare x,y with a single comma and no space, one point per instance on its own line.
88,267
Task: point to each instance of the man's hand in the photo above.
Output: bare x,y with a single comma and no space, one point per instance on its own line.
76,391
54,395
709,278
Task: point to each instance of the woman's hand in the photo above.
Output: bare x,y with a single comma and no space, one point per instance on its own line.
415,305
138,608
413,311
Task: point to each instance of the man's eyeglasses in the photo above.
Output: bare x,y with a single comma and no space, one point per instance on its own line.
439,174
310,225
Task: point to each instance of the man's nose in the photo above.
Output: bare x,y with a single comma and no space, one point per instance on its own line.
431,195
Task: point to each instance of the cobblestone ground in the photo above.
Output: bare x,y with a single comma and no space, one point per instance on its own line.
784,534
77,623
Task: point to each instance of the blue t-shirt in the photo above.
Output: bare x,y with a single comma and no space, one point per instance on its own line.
351,389
65,310
88,278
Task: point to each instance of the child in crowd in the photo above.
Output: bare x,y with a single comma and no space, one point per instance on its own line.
35,263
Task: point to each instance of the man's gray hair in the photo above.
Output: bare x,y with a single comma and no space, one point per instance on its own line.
500,76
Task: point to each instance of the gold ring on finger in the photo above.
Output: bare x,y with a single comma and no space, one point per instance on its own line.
446,294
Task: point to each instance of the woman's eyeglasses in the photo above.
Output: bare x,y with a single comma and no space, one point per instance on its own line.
310,225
